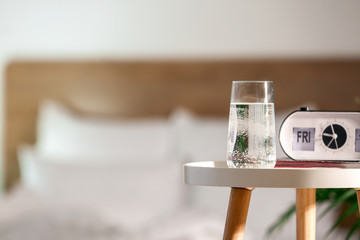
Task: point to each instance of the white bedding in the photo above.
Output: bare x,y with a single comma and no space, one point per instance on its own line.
91,179
23,216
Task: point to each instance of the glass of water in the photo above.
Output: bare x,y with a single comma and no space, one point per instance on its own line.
251,133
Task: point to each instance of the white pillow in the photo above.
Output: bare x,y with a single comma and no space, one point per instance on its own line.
205,139
67,136
200,138
134,195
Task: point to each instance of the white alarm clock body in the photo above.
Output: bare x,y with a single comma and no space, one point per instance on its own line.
321,135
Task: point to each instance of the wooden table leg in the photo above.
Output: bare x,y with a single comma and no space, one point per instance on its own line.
237,213
358,197
305,214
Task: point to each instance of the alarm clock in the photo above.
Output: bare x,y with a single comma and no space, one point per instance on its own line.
321,135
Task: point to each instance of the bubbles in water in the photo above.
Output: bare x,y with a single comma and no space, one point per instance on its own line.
251,135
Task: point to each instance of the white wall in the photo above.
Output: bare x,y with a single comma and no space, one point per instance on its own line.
117,28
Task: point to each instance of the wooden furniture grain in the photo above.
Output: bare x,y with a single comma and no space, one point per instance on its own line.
358,197
286,174
112,89
237,213
306,213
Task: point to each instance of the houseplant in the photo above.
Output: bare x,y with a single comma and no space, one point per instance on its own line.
346,198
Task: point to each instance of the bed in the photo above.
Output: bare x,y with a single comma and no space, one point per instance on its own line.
111,136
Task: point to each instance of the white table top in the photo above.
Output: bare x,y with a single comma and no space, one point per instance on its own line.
286,174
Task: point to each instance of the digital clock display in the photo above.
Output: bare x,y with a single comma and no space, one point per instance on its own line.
303,139
357,140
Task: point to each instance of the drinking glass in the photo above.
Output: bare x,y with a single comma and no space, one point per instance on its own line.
251,133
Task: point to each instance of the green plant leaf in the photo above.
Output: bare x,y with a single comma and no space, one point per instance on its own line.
333,196
280,222
351,209
352,230
340,199
327,194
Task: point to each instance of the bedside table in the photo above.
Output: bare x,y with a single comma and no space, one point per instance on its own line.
305,176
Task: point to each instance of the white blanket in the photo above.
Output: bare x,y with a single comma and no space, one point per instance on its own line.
23,216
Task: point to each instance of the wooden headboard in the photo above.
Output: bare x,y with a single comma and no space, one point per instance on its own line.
143,89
